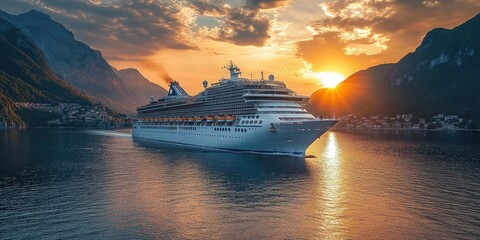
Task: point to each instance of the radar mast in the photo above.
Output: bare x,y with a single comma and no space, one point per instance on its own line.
234,71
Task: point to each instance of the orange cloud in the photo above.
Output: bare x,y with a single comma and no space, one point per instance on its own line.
362,33
193,38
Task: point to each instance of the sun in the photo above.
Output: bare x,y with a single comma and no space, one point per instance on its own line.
329,79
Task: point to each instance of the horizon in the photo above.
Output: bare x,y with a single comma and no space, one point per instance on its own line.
299,42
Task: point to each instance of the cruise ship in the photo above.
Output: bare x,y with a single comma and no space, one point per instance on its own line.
235,114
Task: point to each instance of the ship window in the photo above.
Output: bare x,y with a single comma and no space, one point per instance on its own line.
243,121
261,122
257,117
255,122
248,117
251,121
229,129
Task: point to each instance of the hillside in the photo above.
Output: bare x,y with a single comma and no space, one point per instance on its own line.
440,76
76,62
141,86
362,93
25,75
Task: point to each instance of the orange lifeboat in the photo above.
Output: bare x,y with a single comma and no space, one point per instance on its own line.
230,119
198,119
221,119
191,119
210,118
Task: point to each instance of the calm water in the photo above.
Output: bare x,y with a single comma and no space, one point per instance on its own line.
102,185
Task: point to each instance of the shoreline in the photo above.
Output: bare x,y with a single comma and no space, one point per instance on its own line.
408,129
104,128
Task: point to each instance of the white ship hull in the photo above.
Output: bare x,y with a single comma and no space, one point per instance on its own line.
289,138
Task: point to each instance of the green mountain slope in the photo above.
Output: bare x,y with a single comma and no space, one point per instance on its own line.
79,64
25,76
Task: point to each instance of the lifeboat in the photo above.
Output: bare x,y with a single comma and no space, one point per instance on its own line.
230,119
210,118
191,119
221,119
178,119
161,119
181,119
199,119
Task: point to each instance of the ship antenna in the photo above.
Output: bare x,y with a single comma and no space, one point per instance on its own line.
234,71
262,75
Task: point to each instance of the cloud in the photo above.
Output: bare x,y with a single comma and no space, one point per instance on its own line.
141,27
204,7
129,27
265,4
381,30
327,35
245,25
325,52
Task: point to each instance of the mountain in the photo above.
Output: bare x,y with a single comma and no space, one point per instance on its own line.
361,93
76,62
141,86
441,76
25,75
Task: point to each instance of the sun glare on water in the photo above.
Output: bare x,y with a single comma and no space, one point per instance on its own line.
329,79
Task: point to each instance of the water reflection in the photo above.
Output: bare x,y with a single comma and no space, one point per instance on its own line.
97,184
330,205
195,188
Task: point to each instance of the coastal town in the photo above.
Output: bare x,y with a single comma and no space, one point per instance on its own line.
68,115
406,121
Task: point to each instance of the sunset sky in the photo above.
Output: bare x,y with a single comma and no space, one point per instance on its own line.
297,40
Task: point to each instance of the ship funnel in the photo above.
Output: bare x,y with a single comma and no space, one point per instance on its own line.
176,90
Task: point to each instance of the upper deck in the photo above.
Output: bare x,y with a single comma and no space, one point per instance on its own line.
232,96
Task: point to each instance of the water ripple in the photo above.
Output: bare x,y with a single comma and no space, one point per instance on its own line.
100,184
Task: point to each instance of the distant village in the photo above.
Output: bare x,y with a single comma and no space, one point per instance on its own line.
76,115
404,121
69,115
